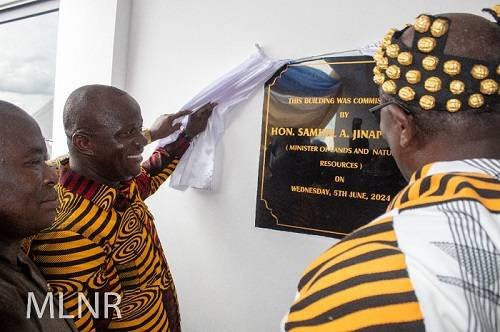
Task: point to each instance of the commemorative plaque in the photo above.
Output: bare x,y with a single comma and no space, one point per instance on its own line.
324,167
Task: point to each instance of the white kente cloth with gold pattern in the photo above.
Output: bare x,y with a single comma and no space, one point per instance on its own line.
431,263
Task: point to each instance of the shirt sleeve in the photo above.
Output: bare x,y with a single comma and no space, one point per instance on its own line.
76,266
162,163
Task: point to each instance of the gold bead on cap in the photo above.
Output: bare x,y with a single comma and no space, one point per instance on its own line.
430,62
426,44
377,56
389,87
392,50
405,58
498,70
390,33
377,71
488,87
379,79
413,76
383,63
496,9
453,105
476,100
386,42
432,84
393,72
479,72
457,87
439,27
422,24
452,67
427,102
406,93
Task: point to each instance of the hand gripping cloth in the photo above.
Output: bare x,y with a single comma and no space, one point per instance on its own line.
196,168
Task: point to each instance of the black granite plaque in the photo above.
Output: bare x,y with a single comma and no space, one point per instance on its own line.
324,166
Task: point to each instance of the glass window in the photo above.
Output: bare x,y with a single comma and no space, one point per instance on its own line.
27,66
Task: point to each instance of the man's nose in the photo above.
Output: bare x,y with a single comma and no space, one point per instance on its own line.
141,140
50,175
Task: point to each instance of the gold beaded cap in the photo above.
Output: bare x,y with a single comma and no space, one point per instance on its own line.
424,76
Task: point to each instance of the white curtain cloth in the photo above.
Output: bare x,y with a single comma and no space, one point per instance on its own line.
196,168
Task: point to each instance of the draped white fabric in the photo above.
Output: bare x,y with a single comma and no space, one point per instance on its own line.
196,168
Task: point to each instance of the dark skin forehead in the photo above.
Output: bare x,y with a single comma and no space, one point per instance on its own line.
14,145
96,108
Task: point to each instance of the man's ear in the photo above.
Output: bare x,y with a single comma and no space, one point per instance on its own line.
405,125
81,141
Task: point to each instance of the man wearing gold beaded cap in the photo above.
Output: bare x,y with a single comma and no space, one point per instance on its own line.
431,262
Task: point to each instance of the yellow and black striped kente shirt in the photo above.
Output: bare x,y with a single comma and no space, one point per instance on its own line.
430,263
104,240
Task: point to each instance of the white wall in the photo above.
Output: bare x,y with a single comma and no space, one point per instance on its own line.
92,44
230,275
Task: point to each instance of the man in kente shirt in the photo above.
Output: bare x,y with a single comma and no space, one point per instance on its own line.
104,239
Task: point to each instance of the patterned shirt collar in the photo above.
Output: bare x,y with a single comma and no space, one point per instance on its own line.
99,194
485,166
419,184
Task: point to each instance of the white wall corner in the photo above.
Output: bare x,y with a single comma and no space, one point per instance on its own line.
91,49
121,42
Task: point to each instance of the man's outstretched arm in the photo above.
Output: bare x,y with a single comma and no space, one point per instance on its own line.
163,161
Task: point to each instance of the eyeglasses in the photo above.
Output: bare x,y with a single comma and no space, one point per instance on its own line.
376,109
